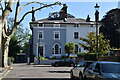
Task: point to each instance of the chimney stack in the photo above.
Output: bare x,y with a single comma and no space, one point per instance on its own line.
33,14
63,11
88,19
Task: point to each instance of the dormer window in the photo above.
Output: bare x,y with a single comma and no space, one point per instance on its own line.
76,25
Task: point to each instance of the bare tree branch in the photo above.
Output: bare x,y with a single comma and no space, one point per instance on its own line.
16,19
56,3
8,9
31,3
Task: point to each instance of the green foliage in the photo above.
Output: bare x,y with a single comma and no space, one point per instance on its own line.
53,57
81,55
69,48
90,43
41,58
21,51
14,47
111,27
12,59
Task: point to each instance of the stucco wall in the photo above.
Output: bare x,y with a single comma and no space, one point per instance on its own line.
48,40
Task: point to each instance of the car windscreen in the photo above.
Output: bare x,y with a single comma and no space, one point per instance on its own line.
110,68
84,64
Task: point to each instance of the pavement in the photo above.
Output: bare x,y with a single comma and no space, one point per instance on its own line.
37,72
4,71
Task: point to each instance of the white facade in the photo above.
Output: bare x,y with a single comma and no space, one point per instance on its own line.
83,31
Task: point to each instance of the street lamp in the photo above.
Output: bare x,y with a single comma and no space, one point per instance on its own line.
96,20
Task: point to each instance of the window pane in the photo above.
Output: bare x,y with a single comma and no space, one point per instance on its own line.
56,25
76,35
56,49
40,25
48,25
40,35
57,35
76,48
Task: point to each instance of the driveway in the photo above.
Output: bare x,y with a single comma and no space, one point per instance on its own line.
38,72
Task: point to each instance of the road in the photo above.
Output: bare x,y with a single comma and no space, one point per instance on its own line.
38,72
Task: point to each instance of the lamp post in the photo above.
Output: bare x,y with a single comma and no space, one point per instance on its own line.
96,20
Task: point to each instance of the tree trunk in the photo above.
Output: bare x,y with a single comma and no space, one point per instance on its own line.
5,51
1,55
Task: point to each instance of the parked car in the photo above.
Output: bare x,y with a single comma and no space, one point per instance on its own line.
64,62
78,69
102,71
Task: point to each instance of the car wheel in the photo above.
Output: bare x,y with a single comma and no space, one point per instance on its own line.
80,76
71,75
72,65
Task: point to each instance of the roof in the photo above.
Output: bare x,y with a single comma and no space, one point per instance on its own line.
68,20
102,62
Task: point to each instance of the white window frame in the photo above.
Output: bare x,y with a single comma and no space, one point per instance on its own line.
74,35
42,35
58,25
78,48
43,50
53,48
58,34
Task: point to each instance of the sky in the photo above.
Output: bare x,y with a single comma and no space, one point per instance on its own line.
80,9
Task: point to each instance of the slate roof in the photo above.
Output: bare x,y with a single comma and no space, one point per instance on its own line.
68,20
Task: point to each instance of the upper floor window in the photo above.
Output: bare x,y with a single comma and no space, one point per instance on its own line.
76,25
56,35
76,48
40,25
56,49
91,25
40,35
48,25
76,35
56,25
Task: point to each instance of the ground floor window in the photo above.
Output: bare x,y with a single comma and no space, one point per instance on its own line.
77,48
56,49
40,51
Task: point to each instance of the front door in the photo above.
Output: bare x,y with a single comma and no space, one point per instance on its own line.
40,51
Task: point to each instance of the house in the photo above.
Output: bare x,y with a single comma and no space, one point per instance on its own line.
50,35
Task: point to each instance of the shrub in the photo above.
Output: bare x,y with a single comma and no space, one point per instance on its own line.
81,55
42,58
12,59
64,57
53,57
90,56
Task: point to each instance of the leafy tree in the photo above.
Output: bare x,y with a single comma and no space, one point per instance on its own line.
111,27
14,47
6,7
89,43
69,48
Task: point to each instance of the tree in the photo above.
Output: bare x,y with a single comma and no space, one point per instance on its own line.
69,48
89,43
14,47
111,27
5,32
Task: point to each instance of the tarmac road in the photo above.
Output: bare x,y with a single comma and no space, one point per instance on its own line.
38,72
